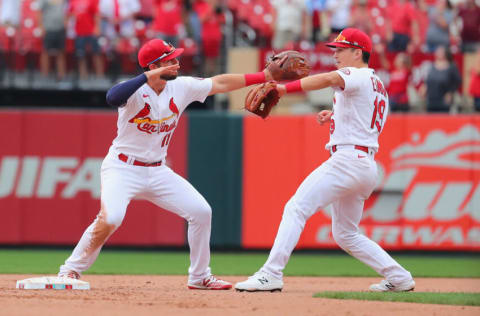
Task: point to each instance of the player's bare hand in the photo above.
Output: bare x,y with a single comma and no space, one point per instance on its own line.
324,116
163,72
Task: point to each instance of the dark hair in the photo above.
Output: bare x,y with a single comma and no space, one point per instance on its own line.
148,66
365,57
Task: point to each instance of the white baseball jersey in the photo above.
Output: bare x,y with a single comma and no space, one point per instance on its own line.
145,127
360,110
146,123
344,181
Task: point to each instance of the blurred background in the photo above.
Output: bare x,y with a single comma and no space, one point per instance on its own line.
59,57
426,50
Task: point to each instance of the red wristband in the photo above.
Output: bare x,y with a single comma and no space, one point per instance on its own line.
294,86
258,77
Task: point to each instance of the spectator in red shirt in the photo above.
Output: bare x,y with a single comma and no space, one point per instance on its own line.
470,31
87,29
167,21
474,88
403,27
211,17
399,77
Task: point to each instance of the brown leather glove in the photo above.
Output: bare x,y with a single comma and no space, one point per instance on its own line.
262,98
288,65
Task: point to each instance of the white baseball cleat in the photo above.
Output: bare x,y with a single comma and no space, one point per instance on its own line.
385,286
210,283
260,281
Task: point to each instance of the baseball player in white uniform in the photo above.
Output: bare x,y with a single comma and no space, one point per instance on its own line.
149,108
348,177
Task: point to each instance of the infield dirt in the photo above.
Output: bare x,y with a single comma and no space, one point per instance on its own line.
168,295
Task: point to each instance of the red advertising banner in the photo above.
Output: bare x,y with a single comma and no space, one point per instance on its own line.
428,195
50,180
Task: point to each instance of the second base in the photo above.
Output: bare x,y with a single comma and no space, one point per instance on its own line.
52,282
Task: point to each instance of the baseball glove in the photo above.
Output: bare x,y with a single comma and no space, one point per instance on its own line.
262,98
288,65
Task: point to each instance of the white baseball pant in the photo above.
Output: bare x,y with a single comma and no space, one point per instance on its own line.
121,182
345,181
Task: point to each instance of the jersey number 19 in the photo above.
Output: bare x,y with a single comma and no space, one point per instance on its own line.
378,111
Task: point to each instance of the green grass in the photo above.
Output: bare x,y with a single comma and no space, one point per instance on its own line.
176,263
469,299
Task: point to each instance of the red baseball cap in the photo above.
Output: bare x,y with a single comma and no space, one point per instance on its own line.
352,38
156,50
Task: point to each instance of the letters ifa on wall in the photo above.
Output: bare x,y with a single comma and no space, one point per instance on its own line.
40,177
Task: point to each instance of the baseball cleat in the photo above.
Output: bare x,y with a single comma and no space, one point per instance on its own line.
70,274
210,283
385,286
260,281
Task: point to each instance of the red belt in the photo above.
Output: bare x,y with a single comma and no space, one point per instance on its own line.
362,148
124,158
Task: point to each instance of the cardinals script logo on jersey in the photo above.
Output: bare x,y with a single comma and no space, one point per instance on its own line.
147,125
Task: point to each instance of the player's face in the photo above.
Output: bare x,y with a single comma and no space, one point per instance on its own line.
170,62
344,57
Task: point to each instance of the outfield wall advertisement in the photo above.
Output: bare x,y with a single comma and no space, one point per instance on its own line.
427,197
50,180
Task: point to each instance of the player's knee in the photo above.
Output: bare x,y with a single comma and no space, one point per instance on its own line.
343,238
203,214
111,218
104,226
114,220
293,209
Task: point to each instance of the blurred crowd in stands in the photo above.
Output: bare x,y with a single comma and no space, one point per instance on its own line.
88,44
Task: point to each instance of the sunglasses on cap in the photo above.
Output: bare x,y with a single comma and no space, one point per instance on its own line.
349,43
172,50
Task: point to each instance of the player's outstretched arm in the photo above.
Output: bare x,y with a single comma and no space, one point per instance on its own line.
288,65
229,82
315,82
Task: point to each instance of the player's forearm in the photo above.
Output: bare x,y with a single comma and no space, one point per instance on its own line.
229,82
315,82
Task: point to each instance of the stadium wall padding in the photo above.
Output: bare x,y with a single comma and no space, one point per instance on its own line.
215,170
427,197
